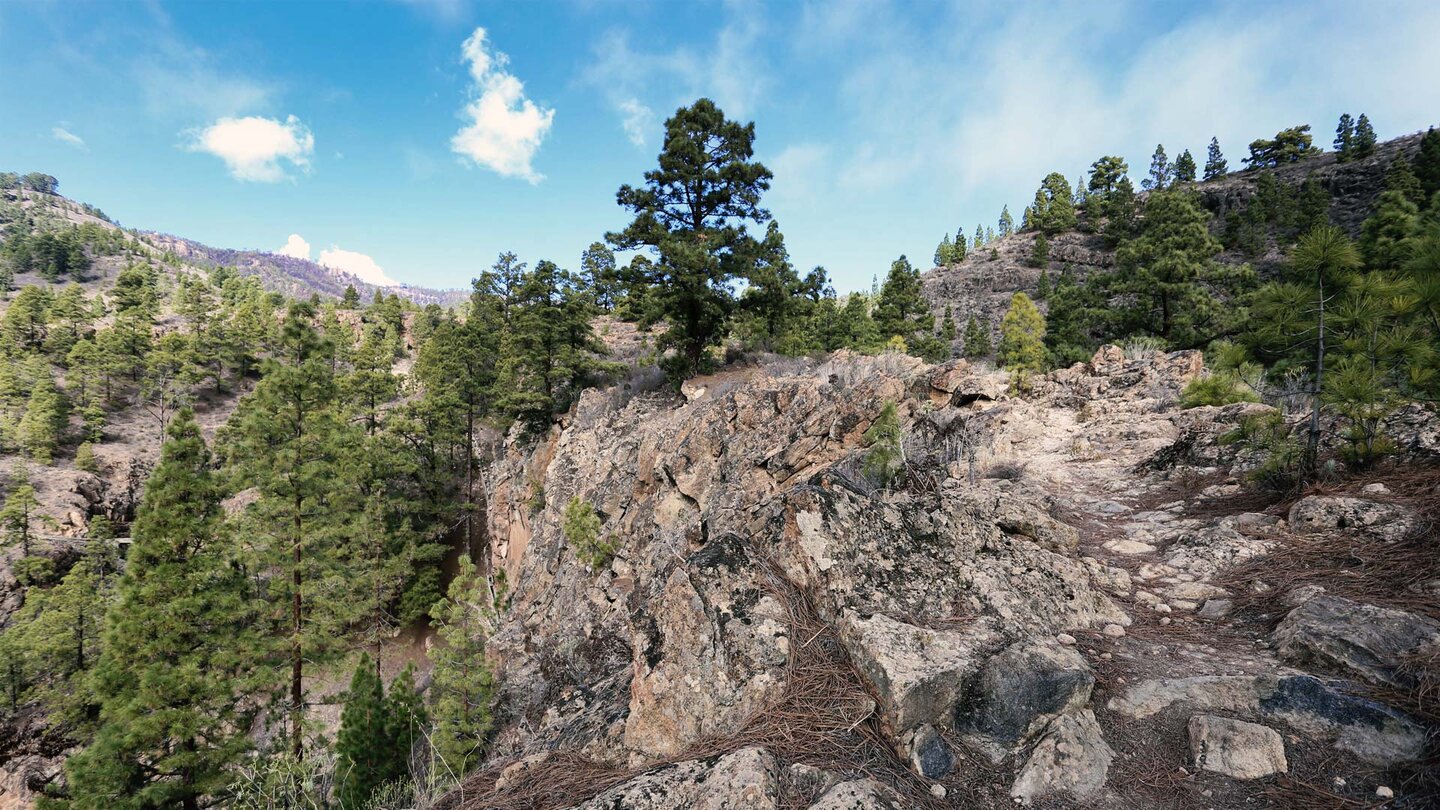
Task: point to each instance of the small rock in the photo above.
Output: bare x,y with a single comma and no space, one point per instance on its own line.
1164,620
1072,757
1163,608
1235,748
929,754
1216,608
938,790
1299,595
1376,488
1067,639
1113,630
1129,547
1384,792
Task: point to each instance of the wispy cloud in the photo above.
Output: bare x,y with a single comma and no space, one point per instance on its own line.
505,128
255,148
69,138
733,70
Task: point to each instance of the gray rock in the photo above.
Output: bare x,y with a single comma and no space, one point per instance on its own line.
745,779
858,794
1365,640
917,672
1022,689
1215,609
1236,748
928,752
1327,513
1371,730
1072,757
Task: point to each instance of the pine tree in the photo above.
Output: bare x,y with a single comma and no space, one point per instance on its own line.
289,442
1344,138
366,751
598,273
45,412
1401,178
1040,252
944,252
1042,286
1160,171
1022,339
19,515
351,298
1185,168
1007,222
976,339
857,327
1427,164
1215,167
462,688
692,213
960,247
885,459
1170,278
979,240
1364,137
947,326
405,712
178,649
1383,235
902,309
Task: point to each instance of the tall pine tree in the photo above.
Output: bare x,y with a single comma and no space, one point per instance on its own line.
179,649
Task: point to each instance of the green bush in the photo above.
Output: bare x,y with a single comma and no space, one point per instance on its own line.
1281,455
1218,388
886,457
582,528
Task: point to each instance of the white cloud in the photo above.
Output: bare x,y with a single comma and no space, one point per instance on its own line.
638,120
253,147
505,128
65,136
356,264
296,247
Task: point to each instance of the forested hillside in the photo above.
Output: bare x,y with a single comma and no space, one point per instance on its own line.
275,538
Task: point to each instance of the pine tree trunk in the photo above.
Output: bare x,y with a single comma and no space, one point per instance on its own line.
1312,443
297,658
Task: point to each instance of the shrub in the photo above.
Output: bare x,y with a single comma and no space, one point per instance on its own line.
582,529
85,458
886,457
1218,388
1142,346
34,570
1280,455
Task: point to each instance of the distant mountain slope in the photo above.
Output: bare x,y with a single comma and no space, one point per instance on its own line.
290,276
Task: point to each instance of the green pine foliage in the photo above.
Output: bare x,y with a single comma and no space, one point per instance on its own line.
691,215
376,735
1364,142
1344,145
1161,171
1053,210
1184,168
902,311
179,647
976,340
885,460
1040,251
1022,339
1288,146
462,687
581,526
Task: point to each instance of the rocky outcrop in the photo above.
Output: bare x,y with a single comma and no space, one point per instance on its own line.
958,621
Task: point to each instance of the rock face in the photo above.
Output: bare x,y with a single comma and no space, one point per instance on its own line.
1236,748
767,599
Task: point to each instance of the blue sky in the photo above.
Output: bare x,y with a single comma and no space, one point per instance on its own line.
396,138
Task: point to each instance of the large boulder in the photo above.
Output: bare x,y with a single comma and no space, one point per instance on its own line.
1235,748
1024,688
857,794
1364,640
1366,728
